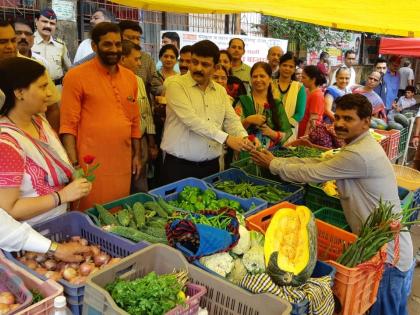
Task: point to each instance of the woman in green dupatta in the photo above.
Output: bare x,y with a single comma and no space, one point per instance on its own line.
262,115
290,92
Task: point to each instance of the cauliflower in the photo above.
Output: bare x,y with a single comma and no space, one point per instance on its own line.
244,241
253,259
220,263
238,272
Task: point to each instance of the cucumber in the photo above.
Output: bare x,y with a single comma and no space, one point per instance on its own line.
158,232
123,217
166,206
105,217
133,234
154,206
139,214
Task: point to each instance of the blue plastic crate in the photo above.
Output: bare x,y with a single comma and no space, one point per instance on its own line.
171,191
239,176
79,224
321,269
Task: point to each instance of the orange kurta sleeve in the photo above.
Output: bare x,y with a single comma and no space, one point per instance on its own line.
71,103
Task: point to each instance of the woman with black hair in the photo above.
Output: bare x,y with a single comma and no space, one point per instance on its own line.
235,87
262,115
312,79
291,93
168,55
36,174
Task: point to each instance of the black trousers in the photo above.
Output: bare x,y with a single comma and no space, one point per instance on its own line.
175,169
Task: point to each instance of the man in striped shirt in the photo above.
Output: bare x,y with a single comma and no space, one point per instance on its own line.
131,55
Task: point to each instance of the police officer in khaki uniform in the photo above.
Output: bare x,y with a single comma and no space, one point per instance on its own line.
53,50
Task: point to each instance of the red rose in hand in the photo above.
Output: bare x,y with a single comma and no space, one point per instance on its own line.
251,138
267,106
88,159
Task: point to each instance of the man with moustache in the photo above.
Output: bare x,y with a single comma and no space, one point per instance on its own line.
53,50
239,69
273,58
25,40
10,41
199,120
185,59
100,117
364,175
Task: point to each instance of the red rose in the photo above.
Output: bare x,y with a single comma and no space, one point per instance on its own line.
267,106
88,159
251,138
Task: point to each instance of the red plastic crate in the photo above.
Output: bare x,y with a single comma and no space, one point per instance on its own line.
391,143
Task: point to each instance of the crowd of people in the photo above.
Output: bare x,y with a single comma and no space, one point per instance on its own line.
198,108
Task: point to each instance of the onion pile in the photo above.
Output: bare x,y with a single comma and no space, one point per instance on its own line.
75,273
7,302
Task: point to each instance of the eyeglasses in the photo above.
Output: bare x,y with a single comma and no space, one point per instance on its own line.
26,33
374,79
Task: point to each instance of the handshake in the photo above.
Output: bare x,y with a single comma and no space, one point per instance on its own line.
250,143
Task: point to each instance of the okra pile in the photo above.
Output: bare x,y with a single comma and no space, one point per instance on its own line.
141,222
269,193
300,152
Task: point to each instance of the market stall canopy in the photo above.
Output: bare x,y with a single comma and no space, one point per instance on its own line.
400,46
379,16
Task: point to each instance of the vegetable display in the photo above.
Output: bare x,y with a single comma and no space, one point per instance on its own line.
379,228
141,222
300,152
290,246
194,199
270,193
75,273
150,295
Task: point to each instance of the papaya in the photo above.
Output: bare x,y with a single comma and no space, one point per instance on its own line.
394,125
290,247
401,119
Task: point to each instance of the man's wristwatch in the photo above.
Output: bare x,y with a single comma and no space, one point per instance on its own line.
53,248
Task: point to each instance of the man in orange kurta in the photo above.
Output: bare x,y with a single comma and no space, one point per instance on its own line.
100,117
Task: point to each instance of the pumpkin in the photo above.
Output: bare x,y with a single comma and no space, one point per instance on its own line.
290,248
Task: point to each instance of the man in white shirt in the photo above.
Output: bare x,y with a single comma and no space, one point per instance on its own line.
406,77
199,120
349,61
16,236
85,47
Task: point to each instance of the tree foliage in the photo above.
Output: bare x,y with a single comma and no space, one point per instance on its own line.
310,36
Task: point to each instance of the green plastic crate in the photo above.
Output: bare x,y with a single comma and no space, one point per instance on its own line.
250,168
403,140
316,198
332,216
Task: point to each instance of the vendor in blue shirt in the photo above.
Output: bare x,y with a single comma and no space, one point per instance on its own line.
391,80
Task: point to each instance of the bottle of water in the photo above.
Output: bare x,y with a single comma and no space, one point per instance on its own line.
60,306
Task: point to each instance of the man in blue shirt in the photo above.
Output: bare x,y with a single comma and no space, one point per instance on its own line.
391,80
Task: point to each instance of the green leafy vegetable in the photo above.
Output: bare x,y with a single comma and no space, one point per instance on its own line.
151,295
